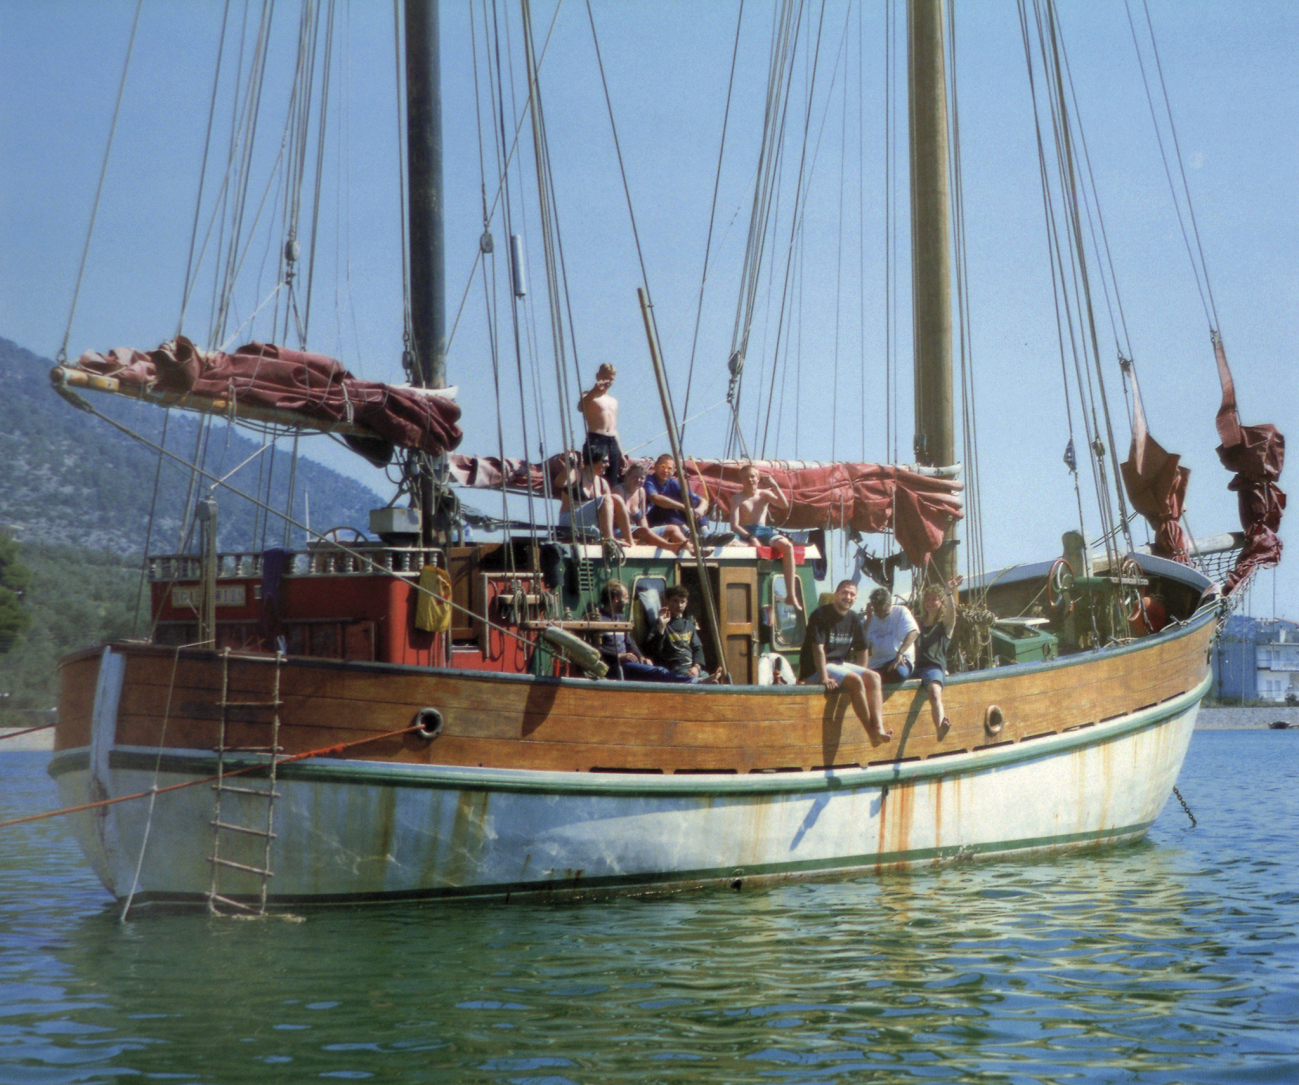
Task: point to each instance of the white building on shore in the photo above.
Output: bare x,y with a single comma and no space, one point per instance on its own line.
1257,659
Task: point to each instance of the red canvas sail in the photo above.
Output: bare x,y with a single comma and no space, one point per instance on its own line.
1156,484
313,387
1256,454
862,496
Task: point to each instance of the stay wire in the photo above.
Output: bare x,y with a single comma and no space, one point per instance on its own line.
482,262
505,157
190,270
795,226
1199,267
549,224
712,217
99,188
766,183
1057,271
622,166
1080,256
969,417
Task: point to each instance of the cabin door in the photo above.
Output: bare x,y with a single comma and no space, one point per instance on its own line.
735,590
738,592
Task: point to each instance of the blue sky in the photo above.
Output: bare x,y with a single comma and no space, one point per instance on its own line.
1232,72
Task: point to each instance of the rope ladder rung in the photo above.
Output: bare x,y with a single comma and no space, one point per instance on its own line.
217,861
236,790
228,827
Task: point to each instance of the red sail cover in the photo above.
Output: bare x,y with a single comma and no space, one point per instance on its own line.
863,496
1257,455
312,385
1156,483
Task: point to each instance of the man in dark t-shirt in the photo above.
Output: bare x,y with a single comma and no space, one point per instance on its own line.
834,654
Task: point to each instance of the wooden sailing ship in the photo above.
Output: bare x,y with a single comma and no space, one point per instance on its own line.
404,717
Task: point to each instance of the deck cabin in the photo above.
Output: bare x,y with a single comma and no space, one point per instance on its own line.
360,601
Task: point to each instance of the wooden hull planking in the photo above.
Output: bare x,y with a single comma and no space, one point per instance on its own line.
568,786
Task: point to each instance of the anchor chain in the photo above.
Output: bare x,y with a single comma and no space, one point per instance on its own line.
1184,806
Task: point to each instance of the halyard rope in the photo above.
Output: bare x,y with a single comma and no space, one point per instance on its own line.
323,751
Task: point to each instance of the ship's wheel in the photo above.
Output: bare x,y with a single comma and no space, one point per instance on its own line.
1058,582
1130,593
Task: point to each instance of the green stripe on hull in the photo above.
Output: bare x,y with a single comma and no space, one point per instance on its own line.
437,777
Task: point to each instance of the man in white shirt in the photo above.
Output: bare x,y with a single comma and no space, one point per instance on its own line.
891,633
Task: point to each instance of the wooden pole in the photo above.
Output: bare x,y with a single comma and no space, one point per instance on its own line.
206,514
425,231
931,270
670,418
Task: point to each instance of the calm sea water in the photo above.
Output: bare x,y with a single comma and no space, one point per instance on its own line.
1173,960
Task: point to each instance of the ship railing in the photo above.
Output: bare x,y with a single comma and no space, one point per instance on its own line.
324,560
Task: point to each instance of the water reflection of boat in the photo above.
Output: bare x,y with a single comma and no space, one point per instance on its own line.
401,718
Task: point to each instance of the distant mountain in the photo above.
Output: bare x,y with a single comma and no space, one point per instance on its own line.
71,478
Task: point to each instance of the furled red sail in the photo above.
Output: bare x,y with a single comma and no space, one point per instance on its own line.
316,388
1156,483
1256,454
861,496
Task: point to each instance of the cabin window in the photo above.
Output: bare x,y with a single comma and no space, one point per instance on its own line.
787,623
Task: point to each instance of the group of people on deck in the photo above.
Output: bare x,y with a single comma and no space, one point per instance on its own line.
861,652
616,496
841,648
626,504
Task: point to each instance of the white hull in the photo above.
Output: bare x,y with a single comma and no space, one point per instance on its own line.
364,830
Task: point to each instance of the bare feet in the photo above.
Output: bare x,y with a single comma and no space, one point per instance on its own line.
943,728
878,736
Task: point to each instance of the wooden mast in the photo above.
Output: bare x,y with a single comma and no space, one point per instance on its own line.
931,271
425,231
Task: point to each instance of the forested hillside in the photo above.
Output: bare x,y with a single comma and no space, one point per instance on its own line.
76,494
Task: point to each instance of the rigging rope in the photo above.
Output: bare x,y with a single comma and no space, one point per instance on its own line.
712,218
99,188
795,229
321,751
1199,265
974,555
1076,327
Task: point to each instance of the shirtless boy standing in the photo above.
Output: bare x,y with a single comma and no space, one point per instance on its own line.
600,412
749,511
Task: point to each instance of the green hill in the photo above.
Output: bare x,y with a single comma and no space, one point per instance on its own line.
73,479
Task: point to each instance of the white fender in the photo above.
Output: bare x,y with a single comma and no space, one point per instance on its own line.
775,669
575,648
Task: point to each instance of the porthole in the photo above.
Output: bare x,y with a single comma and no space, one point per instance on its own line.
428,723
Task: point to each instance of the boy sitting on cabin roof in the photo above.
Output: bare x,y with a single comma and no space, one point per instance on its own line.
586,502
749,522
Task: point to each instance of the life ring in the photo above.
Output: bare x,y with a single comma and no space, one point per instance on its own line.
775,670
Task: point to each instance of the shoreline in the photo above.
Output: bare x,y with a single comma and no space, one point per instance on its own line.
1245,719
